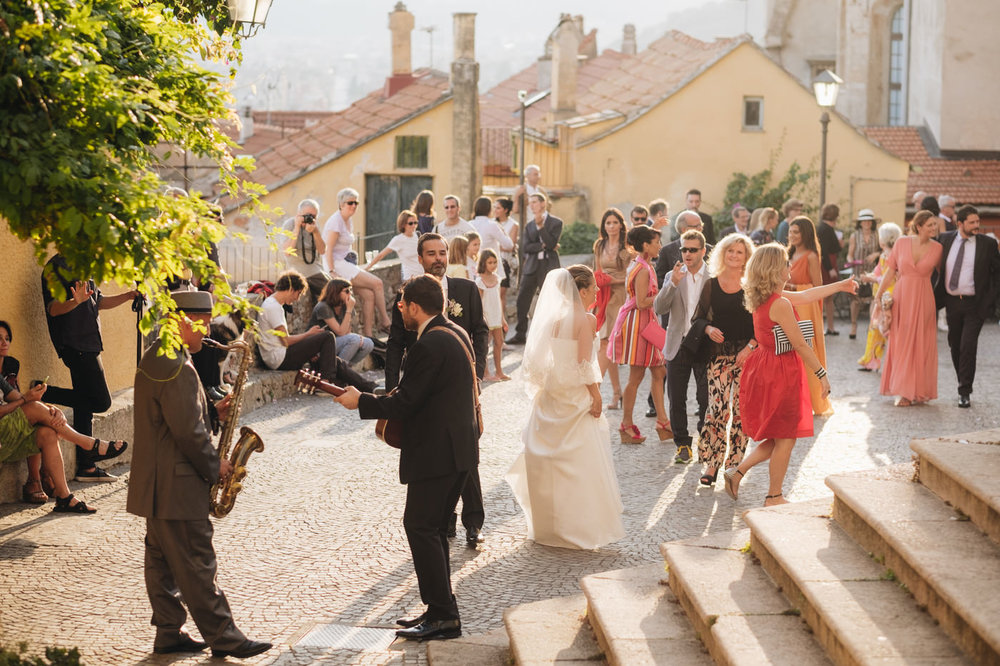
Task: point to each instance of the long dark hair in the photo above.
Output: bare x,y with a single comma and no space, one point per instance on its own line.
808,232
424,203
602,242
331,292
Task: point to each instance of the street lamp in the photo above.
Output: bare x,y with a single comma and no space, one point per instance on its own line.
826,86
248,15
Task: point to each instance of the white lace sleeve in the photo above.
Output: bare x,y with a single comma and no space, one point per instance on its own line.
586,373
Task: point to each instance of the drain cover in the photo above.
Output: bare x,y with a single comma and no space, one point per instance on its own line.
346,637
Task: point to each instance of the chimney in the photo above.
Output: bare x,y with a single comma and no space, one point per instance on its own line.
466,167
246,124
565,48
400,26
629,46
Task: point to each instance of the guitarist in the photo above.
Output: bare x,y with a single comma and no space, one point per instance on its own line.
439,447
464,306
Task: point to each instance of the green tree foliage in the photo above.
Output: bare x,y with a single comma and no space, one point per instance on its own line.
578,238
760,189
53,657
89,90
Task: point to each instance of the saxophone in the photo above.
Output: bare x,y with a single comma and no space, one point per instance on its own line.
223,494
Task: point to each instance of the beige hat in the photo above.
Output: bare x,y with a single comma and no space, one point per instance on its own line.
193,302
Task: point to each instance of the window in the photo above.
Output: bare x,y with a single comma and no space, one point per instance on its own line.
897,69
411,152
753,113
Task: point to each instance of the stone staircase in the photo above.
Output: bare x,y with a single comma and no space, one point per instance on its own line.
901,566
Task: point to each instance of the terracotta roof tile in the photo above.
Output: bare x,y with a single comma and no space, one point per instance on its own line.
969,181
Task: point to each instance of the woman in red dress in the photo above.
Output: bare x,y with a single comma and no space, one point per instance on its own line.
774,395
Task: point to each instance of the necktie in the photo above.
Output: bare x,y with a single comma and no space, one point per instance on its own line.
957,268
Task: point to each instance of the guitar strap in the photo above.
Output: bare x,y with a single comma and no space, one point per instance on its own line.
466,344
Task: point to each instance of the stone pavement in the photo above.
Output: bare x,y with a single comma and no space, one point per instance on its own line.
316,537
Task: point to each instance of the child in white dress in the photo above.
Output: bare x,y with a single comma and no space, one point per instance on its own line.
489,289
472,253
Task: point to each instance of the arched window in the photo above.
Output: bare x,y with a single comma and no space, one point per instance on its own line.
897,68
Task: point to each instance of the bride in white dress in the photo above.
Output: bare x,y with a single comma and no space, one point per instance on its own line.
565,479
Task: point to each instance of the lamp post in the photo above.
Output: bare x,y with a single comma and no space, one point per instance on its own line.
826,86
248,15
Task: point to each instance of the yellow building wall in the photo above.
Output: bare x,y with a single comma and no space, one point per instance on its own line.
377,157
21,306
694,139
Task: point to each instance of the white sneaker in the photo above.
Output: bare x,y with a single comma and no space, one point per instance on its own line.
942,320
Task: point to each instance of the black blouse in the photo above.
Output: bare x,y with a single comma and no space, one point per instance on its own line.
730,315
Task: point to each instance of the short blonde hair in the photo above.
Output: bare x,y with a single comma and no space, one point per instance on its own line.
716,260
765,274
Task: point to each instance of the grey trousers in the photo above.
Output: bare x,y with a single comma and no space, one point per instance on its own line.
180,564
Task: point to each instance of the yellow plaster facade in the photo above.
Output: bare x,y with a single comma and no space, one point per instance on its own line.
21,307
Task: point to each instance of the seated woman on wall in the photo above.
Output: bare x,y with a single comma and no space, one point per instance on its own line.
28,431
334,309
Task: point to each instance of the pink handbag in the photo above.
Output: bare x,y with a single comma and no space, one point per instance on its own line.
654,334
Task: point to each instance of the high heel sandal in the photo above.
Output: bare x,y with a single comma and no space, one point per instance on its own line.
732,484
616,401
708,479
664,431
32,492
630,434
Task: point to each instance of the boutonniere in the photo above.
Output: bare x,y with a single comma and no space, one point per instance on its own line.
454,309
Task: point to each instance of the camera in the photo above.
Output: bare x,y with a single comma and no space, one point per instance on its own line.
308,218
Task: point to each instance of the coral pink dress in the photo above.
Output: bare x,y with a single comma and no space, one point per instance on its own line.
774,394
910,369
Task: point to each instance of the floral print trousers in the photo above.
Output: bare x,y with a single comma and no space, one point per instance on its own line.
723,389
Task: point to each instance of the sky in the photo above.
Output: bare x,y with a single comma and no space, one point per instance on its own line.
324,54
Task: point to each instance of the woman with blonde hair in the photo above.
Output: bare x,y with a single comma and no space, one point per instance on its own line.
763,222
730,340
458,265
774,395
879,321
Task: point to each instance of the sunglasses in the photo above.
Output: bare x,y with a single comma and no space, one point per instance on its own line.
411,224
690,250
350,203
639,219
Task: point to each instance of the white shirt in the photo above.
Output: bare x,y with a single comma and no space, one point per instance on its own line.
449,231
693,283
406,248
337,223
507,225
272,316
494,238
966,284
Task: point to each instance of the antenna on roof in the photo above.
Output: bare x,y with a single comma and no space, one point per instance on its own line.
429,29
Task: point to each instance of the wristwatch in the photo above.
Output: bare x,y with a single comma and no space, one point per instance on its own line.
752,345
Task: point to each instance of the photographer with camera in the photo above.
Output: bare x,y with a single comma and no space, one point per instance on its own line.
304,250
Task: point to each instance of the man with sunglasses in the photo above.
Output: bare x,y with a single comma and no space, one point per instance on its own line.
452,225
639,216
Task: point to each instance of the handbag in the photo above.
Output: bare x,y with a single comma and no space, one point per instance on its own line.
654,334
781,343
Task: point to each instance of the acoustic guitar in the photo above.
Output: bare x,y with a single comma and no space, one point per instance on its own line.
389,431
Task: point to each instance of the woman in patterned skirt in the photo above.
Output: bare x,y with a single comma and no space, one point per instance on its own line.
627,344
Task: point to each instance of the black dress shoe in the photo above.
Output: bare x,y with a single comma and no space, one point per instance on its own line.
473,536
651,412
430,630
453,526
184,644
411,621
249,648
516,340
963,402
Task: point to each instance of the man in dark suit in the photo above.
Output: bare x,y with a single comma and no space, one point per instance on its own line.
173,467
464,306
967,288
707,226
436,403
539,255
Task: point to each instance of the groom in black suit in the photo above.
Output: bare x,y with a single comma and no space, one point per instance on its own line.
967,288
463,306
436,402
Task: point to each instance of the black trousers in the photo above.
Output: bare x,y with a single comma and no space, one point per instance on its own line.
473,513
89,395
430,504
964,324
530,283
331,368
678,376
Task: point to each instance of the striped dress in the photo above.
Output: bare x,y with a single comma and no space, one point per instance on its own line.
626,346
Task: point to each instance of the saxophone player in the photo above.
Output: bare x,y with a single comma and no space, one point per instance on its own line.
173,466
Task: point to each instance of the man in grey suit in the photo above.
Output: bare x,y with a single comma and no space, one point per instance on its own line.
173,467
539,249
679,297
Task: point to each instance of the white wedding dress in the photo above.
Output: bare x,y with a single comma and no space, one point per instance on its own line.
565,479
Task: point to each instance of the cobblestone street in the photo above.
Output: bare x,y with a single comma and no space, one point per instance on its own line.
316,536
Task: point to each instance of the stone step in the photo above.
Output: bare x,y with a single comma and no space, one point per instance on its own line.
740,615
964,470
947,563
489,649
856,610
638,621
552,631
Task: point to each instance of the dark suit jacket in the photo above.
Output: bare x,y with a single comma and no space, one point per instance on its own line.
536,241
435,402
985,273
173,460
466,295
